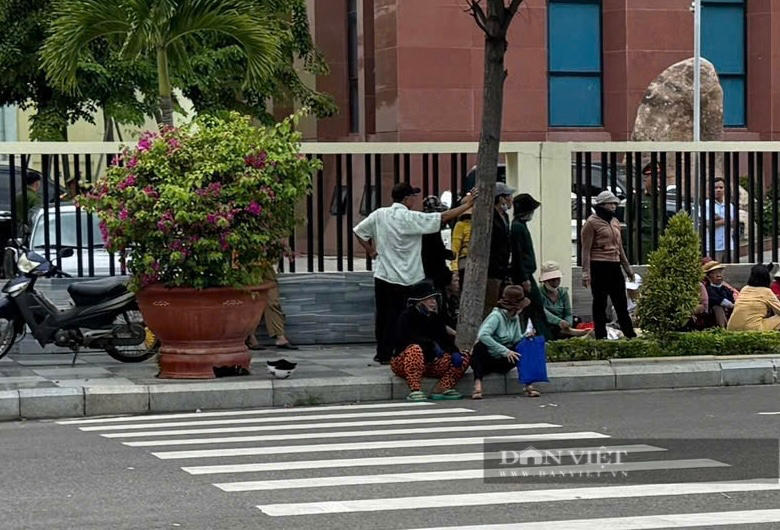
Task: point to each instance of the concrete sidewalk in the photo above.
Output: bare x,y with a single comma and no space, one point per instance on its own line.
40,383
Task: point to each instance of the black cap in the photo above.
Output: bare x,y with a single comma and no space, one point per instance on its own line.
402,190
421,291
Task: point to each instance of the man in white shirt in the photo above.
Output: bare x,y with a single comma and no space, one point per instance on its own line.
392,236
721,233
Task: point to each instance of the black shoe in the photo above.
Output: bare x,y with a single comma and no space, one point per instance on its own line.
381,361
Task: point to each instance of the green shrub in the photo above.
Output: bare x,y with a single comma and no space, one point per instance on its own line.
670,290
716,342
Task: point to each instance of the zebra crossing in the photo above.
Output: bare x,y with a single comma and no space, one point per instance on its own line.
414,465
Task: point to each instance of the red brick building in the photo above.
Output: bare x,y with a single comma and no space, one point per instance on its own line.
411,70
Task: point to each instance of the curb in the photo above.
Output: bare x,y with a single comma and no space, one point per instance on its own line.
585,376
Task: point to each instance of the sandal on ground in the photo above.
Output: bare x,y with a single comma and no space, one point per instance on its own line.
476,395
447,394
417,395
530,392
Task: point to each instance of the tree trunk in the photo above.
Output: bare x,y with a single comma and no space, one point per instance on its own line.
472,299
164,87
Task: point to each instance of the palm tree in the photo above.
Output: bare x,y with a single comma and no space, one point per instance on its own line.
160,29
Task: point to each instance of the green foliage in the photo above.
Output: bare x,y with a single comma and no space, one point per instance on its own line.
670,291
716,342
206,205
103,81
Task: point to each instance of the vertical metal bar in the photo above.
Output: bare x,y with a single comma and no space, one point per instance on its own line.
654,198
310,230
727,202
687,173
613,172
90,235
709,214
736,233
339,216
378,180
351,238
640,191
293,257
678,181
630,200
662,180
760,206
12,191
45,185
453,179
751,208
57,212
774,207
700,205
320,217
578,205
588,182
604,170
111,268
435,172
464,170
425,175
396,168
368,195
79,220
407,168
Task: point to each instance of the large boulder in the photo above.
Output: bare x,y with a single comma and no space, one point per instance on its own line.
666,111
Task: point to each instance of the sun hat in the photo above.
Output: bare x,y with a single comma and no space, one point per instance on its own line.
606,197
635,284
713,266
513,297
421,291
550,271
524,203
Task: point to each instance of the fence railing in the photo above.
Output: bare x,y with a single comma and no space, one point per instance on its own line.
356,178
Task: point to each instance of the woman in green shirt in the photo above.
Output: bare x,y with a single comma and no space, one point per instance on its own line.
557,303
499,333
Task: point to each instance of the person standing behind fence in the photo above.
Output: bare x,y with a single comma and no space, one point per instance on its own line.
524,261
500,247
27,203
720,221
461,238
602,258
393,237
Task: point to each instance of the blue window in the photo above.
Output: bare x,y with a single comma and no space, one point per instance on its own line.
574,63
723,44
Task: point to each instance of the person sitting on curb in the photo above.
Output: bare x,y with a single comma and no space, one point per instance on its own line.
776,284
721,299
498,335
557,303
425,346
757,308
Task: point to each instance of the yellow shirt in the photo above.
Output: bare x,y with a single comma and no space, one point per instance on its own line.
461,237
756,309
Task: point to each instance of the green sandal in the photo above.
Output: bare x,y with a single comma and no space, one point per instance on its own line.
447,394
417,395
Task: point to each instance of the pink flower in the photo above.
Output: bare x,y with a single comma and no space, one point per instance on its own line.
144,145
132,162
223,243
129,182
150,192
257,160
103,230
124,214
254,208
211,218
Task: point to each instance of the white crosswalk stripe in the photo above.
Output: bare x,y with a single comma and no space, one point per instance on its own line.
364,449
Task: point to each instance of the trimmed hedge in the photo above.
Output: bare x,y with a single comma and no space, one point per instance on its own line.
717,342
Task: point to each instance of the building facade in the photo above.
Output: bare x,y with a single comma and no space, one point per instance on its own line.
411,70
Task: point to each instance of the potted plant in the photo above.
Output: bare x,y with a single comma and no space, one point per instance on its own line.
201,214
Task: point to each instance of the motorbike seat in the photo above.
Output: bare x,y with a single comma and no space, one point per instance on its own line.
92,291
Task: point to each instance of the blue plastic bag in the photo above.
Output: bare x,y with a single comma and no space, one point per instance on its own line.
532,366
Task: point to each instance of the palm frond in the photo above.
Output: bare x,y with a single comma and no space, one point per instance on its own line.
239,19
76,24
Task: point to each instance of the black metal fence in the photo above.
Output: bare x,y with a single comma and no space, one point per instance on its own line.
740,225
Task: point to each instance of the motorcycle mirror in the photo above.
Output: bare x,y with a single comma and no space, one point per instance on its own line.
66,252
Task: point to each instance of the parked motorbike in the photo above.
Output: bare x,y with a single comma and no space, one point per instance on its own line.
104,314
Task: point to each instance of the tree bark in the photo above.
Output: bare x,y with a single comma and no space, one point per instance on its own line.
164,87
494,23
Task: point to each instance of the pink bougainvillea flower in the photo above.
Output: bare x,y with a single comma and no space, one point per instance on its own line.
129,182
124,214
256,160
254,208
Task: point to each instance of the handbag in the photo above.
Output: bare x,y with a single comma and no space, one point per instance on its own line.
532,365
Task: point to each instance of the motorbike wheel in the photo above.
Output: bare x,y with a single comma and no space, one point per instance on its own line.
7,336
134,353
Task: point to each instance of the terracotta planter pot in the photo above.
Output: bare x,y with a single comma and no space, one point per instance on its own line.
200,330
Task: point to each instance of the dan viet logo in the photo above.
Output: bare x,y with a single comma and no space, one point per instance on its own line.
532,462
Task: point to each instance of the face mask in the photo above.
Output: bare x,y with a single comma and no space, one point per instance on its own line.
505,207
716,284
550,287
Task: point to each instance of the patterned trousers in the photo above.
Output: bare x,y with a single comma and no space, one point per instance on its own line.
411,365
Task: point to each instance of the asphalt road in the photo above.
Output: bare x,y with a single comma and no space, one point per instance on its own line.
406,466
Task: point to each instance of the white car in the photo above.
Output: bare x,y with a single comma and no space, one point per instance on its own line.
101,258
